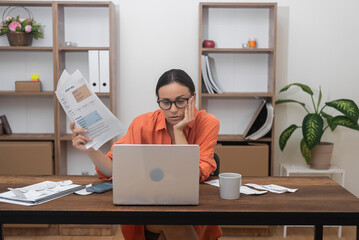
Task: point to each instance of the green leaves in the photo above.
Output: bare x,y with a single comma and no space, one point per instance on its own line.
312,129
288,101
286,135
329,120
313,122
347,107
342,121
305,151
304,87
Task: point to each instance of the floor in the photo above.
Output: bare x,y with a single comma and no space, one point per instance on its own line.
293,233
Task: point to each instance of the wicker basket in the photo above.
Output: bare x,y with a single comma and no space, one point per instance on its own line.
19,38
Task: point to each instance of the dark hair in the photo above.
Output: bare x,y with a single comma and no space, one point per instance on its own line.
178,76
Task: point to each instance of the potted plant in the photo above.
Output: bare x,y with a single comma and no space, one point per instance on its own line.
19,30
313,125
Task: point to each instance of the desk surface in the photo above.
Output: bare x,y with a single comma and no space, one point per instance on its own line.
318,201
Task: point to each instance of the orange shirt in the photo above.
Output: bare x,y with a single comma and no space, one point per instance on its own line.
150,128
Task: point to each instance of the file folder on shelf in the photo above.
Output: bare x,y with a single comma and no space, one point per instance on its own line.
104,60
94,74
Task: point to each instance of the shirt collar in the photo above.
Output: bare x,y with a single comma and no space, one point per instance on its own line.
162,120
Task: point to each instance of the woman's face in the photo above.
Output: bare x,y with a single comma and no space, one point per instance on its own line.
170,93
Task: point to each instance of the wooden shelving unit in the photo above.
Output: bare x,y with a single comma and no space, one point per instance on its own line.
56,23
230,25
27,136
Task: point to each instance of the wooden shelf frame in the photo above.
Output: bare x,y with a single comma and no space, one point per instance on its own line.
58,49
270,52
238,95
13,93
28,136
237,50
26,48
81,49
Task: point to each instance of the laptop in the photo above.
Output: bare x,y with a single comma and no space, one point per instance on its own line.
155,174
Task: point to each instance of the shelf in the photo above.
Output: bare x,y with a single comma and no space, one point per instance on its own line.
103,94
27,4
26,48
12,93
60,16
66,137
28,136
238,138
237,95
81,49
83,4
237,5
237,50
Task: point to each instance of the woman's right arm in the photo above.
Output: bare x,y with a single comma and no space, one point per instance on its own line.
101,161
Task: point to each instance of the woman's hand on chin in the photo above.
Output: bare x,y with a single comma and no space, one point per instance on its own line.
188,115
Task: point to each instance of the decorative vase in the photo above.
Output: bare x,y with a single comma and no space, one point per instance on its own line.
321,156
19,38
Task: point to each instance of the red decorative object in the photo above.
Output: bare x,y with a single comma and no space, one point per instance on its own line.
208,44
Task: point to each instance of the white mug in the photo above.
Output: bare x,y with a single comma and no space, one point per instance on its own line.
229,185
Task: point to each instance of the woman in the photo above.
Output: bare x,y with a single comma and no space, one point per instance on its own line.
176,122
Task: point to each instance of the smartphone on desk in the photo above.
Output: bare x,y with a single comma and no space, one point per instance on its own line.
100,188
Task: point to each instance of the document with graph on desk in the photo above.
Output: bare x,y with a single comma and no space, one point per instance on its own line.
83,106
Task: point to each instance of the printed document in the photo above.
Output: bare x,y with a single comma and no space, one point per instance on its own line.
40,192
83,106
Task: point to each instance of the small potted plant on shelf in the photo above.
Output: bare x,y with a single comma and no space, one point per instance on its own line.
19,30
316,153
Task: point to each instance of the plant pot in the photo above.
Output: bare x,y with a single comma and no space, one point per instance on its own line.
321,156
19,38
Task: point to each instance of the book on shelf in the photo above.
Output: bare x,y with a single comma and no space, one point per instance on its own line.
261,122
6,125
209,75
205,75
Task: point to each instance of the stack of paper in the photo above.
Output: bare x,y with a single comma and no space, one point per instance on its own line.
83,106
39,193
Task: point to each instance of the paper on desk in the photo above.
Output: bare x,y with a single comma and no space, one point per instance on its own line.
83,106
272,188
39,193
243,189
264,188
83,191
249,191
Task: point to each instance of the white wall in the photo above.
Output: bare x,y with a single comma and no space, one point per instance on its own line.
317,44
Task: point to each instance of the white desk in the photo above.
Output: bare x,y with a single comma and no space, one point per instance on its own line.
288,169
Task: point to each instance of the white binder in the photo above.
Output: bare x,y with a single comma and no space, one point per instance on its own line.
94,74
104,59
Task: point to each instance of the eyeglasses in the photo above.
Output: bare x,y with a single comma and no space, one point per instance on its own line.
180,103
